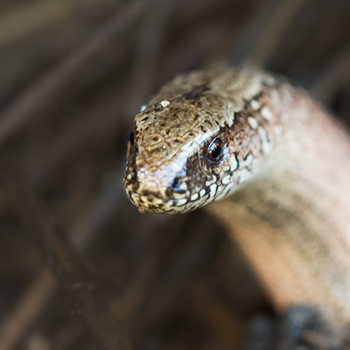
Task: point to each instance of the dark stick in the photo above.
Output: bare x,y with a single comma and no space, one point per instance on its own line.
46,91
72,275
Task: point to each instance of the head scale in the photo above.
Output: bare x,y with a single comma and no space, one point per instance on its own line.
189,145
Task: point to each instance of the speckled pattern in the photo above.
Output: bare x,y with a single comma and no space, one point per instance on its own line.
168,167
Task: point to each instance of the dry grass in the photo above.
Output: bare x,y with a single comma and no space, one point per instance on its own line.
72,75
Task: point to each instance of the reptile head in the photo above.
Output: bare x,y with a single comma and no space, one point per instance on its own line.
189,145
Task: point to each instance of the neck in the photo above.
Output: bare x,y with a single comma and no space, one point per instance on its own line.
292,219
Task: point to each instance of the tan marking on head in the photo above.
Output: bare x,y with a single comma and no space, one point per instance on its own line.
266,113
255,104
253,123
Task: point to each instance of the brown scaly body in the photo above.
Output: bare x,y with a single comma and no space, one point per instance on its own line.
285,162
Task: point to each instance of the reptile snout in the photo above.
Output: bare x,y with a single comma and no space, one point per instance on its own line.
160,190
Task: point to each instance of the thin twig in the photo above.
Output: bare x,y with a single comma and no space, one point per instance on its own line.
36,297
26,18
151,36
37,98
27,310
266,31
275,27
73,276
333,78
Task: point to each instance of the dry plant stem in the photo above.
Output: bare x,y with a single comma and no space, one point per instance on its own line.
37,98
243,46
273,26
333,78
67,336
228,327
72,275
144,296
35,298
148,45
321,341
92,132
26,310
29,17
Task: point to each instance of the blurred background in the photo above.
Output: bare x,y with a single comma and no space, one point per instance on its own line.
72,76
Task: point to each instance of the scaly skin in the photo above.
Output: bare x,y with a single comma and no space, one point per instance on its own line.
168,169
285,163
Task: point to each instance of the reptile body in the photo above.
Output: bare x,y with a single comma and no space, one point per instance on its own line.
279,162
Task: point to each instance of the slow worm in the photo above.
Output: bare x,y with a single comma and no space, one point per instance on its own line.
279,162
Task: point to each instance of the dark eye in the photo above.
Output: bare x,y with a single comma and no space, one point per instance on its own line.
215,150
131,138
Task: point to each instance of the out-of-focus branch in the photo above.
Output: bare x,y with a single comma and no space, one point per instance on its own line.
334,77
147,49
70,271
29,17
26,311
273,30
52,86
265,32
36,297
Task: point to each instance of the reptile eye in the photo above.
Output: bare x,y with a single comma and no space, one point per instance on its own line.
215,150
